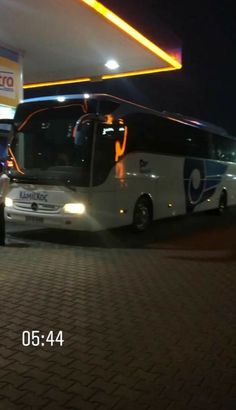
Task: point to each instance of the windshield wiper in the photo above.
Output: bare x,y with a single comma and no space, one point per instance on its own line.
24,179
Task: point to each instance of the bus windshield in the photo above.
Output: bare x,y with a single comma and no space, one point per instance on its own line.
45,150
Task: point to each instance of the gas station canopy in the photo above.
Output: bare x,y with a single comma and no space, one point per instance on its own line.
71,41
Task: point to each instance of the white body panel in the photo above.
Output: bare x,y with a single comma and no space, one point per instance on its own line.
111,204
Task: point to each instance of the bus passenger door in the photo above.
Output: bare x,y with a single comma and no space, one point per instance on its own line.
109,149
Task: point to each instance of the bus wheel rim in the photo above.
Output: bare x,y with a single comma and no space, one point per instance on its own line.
142,216
222,204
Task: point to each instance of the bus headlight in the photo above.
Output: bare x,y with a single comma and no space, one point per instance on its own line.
74,208
8,202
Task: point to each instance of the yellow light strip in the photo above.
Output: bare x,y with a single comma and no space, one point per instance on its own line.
125,27
138,72
121,24
59,82
104,77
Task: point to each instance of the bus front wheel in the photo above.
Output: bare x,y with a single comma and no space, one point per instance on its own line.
142,216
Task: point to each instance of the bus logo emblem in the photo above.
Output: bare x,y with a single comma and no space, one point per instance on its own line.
34,206
142,163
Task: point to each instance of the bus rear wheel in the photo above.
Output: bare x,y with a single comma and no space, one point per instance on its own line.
142,216
222,203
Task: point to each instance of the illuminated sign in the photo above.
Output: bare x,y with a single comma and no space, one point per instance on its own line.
10,77
6,81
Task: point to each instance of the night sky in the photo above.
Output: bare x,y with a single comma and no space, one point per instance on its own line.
206,86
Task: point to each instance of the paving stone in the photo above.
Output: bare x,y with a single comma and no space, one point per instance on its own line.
144,329
79,403
8,405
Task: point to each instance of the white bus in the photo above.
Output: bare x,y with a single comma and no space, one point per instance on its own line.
97,162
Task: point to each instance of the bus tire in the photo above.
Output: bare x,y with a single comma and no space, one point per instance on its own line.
222,206
142,216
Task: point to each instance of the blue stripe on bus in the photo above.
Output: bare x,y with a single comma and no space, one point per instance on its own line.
210,172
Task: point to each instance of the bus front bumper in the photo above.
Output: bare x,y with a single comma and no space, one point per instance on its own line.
61,221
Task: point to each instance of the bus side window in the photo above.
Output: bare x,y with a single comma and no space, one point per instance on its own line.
136,135
200,142
233,151
224,148
142,132
218,147
229,150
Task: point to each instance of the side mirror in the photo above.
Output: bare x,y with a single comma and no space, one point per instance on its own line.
82,120
107,119
8,121
7,128
6,125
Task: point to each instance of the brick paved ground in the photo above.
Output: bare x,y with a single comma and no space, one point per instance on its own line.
143,328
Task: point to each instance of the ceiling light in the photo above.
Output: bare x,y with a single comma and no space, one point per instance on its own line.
112,64
61,99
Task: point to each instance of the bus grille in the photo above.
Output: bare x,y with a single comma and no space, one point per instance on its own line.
42,208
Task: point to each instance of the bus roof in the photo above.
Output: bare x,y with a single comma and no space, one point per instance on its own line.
194,122
97,96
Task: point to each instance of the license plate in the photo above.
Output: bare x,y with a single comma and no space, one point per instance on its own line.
34,219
